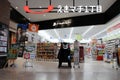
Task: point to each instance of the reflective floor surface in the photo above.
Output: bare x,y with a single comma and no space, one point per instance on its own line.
90,70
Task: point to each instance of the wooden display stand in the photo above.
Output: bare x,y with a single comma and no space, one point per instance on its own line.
46,50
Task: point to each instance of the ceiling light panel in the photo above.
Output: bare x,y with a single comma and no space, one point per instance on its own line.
90,28
71,31
56,32
94,31
101,35
64,32
79,30
52,33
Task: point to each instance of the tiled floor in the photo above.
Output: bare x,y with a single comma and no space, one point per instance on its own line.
90,70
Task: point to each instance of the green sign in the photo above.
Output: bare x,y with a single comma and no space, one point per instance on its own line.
78,37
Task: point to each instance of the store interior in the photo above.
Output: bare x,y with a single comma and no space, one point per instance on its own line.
32,38
63,27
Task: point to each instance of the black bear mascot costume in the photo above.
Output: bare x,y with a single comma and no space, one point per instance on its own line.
64,54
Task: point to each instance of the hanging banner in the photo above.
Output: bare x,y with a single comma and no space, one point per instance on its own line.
21,31
33,27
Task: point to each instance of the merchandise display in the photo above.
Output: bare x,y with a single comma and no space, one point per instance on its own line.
12,55
46,51
3,44
30,50
110,45
100,51
21,49
93,48
13,52
60,40
112,50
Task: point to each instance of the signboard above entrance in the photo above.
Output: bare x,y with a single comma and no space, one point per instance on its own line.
64,9
62,23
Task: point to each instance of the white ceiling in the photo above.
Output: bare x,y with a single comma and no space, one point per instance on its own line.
87,32
18,5
68,34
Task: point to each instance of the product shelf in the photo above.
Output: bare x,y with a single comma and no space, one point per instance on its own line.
46,50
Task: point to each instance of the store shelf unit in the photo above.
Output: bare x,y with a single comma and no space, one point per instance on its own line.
3,44
119,54
46,51
109,48
118,51
100,51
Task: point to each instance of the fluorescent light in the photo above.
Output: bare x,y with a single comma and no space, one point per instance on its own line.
68,40
55,40
99,33
44,34
71,32
87,30
57,34
85,40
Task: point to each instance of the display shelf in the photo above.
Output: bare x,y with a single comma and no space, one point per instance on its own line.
3,44
46,50
110,49
119,54
100,51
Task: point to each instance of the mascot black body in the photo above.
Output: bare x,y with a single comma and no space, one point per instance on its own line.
64,54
